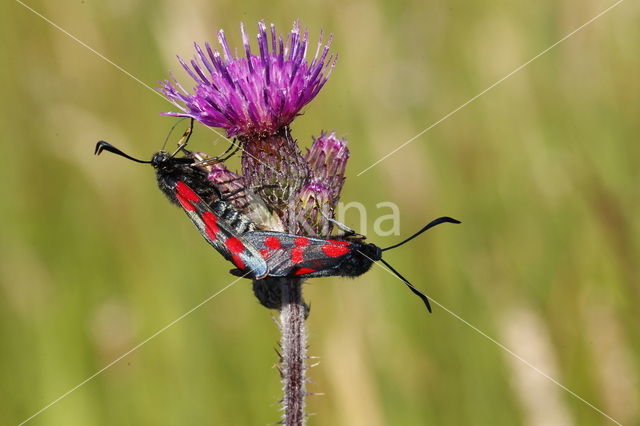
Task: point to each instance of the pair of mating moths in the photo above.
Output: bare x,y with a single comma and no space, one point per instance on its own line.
258,254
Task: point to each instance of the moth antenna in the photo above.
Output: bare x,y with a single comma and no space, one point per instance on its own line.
415,291
105,146
431,224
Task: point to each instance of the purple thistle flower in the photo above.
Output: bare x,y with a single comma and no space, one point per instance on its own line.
252,94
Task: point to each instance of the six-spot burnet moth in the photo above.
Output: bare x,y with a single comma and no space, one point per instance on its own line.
186,185
259,254
290,255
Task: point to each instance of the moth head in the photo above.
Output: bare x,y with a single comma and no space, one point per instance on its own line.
160,159
371,251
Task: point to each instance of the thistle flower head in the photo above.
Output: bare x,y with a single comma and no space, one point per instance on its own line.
308,211
252,94
327,160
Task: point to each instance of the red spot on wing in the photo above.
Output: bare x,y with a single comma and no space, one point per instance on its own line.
185,203
265,253
301,241
237,261
296,255
302,271
234,245
335,250
211,225
186,192
272,243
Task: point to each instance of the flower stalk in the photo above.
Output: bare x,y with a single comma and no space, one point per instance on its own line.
293,342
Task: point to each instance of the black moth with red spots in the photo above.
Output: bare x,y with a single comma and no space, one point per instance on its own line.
289,255
187,186
260,254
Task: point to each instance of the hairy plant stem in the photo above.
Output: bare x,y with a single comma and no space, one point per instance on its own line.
294,352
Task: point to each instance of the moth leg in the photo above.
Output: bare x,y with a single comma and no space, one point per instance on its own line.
235,194
341,225
228,181
261,188
348,232
184,140
228,153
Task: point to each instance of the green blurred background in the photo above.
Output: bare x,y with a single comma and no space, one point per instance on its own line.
542,170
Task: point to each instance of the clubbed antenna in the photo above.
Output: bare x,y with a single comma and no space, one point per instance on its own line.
429,225
415,291
105,146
